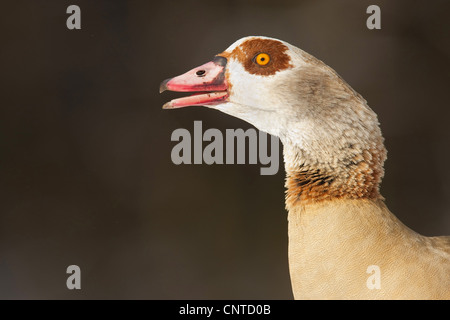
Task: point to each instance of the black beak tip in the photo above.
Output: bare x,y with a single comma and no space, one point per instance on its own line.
163,85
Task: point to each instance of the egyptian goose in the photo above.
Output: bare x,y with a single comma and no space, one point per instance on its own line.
340,231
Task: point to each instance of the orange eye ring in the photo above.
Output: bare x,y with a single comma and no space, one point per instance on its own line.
262,59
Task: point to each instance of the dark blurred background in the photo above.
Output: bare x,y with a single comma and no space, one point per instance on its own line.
86,174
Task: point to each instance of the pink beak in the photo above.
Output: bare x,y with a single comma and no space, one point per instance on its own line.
208,78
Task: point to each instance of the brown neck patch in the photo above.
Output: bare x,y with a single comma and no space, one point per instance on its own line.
359,180
248,50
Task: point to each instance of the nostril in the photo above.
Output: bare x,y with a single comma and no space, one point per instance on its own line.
200,73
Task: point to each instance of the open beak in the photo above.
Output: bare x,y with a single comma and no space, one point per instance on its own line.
208,81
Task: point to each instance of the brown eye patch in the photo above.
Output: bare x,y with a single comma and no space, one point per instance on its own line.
247,52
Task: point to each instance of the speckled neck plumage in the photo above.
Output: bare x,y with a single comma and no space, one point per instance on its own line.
358,179
336,149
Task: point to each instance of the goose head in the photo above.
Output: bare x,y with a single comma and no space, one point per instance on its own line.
333,145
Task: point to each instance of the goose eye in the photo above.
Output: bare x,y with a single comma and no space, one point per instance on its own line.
262,59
